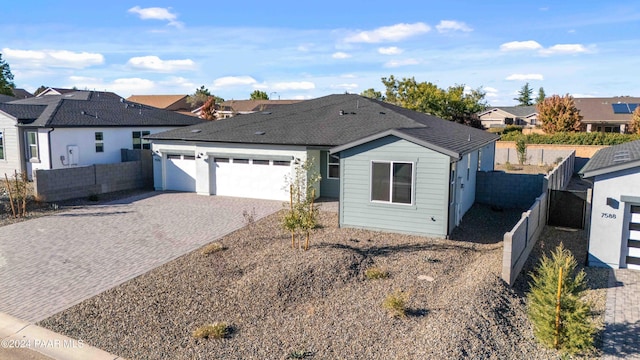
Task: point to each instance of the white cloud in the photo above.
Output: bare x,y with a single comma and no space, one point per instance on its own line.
564,49
451,25
345,86
294,85
520,45
52,58
490,92
348,76
154,63
391,50
156,13
122,86
396,32
179,82
340,55
228,81
521,77
398,63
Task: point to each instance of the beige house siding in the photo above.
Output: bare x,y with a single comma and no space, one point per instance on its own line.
11,146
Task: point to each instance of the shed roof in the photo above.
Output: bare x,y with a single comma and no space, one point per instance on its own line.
613,158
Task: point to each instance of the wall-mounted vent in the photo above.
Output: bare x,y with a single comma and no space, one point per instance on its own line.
621,156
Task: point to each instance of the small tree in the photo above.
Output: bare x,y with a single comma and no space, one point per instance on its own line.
524,96
559,114
40,89
302,214
259,95
559,316
372,94
521,148
541,96
208,110
199,97
634,125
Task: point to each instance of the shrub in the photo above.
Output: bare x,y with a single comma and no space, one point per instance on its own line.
576,330
219,330
299,354
580,138
508,166
375,272
212,248
521,148
396,303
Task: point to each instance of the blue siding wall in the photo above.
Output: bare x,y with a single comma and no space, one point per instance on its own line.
328,187
427,215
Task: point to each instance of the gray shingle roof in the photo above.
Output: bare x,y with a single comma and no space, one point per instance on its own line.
91,109
613,158
518,111
6,98
318,122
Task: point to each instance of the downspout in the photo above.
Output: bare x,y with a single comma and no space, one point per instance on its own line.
49,145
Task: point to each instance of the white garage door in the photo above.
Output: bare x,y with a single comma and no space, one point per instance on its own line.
180,173
250,177
633,243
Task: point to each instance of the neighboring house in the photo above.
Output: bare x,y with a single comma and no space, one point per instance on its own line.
607,114
55,91
176,103
76,129
393,169
509,115
6,98
17,95
231,108
614,239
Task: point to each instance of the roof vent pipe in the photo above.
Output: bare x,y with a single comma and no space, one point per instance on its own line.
341,112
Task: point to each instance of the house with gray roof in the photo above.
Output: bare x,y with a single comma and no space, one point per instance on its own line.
614,239
502,116
393,169
75,129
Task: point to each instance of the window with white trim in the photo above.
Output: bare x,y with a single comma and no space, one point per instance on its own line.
139,142
99,137
1,145
333,166
32,145
392,182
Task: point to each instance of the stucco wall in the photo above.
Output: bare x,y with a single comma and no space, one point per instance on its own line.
606,239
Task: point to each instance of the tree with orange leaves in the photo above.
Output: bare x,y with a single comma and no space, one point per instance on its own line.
559,114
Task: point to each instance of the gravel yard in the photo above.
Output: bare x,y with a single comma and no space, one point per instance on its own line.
282,303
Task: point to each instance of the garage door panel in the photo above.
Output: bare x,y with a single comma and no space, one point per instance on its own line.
633,243
259,179
180,173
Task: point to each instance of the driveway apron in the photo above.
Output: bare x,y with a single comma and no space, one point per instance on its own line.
51,263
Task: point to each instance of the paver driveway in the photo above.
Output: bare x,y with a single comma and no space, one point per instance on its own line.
51,263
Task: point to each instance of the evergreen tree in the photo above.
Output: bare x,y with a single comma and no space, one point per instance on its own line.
6,78
576,330
524,96
541,96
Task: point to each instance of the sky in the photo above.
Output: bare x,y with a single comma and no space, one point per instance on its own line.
303,50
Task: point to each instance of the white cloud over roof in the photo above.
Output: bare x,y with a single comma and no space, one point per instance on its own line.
399,63
395,32
227,81
451,25
520,45
52,58
154,63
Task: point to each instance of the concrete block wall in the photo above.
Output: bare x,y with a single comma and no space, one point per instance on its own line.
535,156
508,191
78,182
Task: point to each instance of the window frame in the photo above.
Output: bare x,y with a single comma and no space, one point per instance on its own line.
31,146
2,155
391,164
332,164
99,142
144,144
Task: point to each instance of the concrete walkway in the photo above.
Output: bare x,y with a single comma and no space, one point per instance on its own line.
622,318
51,263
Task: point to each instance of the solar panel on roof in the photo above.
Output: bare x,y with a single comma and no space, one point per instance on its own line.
621,108
632,107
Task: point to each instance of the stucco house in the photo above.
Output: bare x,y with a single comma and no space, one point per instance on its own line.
502,116
392,169
614,239
75,129
612,114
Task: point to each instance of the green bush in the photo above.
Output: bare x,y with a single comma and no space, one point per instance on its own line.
375,272
214,331
396,303
578,138
521,148
576,330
